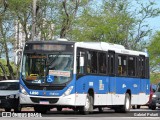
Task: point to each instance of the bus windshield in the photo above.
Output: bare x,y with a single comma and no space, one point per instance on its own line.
54,68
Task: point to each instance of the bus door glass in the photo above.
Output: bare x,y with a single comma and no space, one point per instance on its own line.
111,71
141,66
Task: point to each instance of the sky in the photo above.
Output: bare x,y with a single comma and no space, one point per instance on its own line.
155,22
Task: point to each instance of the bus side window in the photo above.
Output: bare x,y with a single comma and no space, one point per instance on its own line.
142,66
122,65
102,63
131,66
111,63
89,67
147,67
91,62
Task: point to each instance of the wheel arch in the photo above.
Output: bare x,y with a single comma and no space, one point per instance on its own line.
129,92
91,92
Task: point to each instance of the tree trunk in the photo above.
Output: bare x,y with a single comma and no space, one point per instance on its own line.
4,71
6,51
8,61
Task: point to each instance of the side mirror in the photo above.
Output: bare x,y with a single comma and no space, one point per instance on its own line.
18,56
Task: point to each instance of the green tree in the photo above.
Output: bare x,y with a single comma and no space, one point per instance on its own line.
5,35
113,21
141,30
154,53
21,10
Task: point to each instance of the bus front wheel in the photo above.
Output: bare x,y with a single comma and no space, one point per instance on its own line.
7,109
59,109
40,109
88,107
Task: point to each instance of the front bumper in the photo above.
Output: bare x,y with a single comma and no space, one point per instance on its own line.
47,100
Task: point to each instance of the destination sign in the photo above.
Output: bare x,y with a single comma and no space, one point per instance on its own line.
49,47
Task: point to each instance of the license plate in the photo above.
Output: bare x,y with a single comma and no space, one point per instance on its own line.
44,102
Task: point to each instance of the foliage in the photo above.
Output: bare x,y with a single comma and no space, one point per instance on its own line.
4,63
154,52
107,25
115,21
155,78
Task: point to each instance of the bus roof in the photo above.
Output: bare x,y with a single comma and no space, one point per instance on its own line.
51,41
104,46
109,47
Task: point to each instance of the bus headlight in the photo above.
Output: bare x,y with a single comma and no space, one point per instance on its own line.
23,91
68,91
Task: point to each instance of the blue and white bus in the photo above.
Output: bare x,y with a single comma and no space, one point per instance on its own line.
83,76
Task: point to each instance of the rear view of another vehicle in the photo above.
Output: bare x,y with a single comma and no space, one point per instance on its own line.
9,95
155,102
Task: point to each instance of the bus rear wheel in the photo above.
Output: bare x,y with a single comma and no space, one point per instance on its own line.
88,107
127,105
101,109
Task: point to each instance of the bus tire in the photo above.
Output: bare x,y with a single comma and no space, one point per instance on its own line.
101,109
127,104
138,106
88,107
134,107
18,109
7,109
59,109
40,109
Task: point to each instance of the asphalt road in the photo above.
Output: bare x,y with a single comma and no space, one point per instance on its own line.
139,114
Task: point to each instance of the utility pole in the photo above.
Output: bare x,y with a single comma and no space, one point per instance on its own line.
34,20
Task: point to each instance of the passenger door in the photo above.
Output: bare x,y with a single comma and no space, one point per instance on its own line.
111,73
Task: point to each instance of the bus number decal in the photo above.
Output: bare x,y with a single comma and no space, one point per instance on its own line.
34,92
135,85
90,83
124,85
101,85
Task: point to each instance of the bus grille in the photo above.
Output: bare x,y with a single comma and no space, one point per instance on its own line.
32,87
37,100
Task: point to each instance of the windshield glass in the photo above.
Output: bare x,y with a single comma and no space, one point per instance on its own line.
54,68
9,86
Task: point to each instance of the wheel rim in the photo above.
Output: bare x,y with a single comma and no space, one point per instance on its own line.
127,104
87,105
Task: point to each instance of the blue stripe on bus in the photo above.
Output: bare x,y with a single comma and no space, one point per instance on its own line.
100,85
118,85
